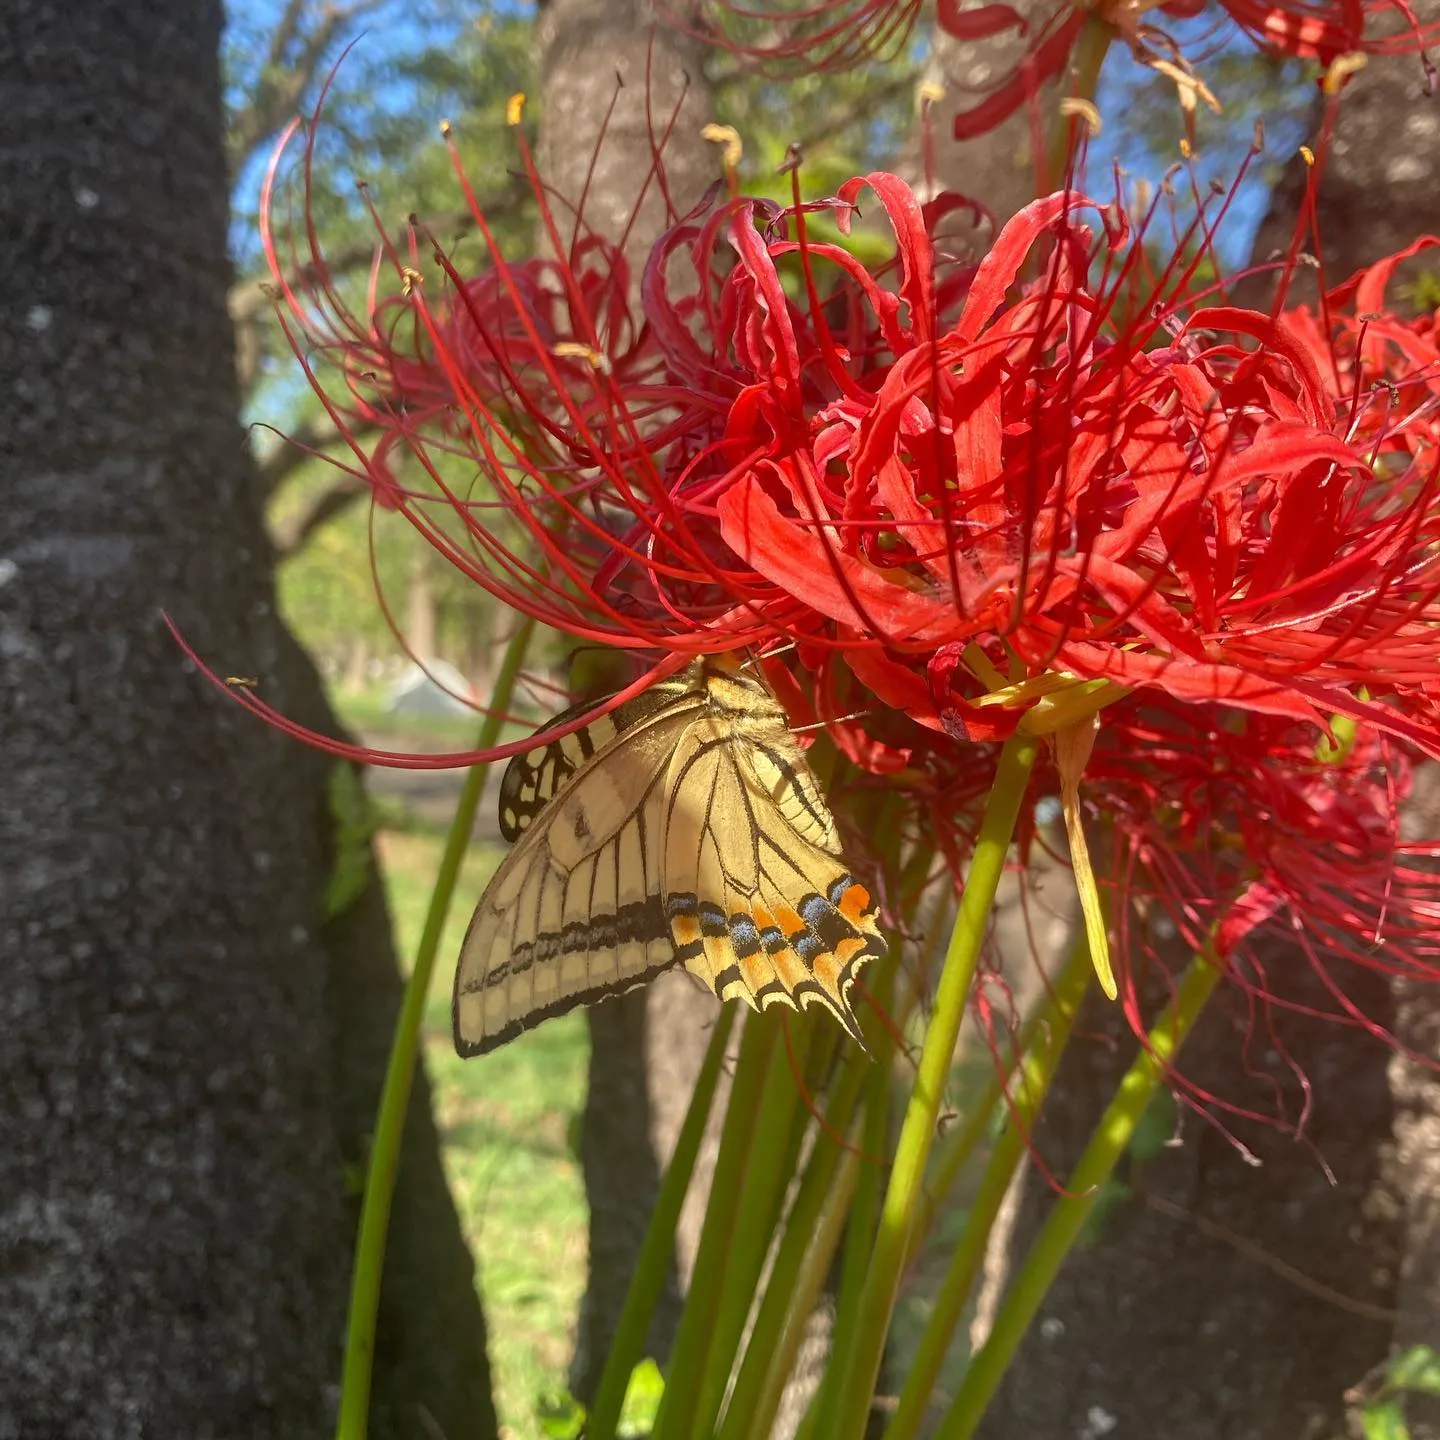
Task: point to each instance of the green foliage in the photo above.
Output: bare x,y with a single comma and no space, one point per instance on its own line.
354,825
504,1123
563,1417
1415,1371
1422,293
642,1400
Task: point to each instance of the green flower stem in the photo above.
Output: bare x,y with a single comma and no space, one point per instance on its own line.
861,1366
1082,82
1034,1074
875,1143
806,1250
687,1361
774,1149
859,1236
808,1282
400,1073
1071,1210
956,1149
659,1244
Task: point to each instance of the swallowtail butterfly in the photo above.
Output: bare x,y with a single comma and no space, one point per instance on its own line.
684,827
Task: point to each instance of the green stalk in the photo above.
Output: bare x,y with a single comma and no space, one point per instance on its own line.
860,1368
808,1281
1035,1072
859,1231
655,1253
774,1147
874,1141
1072,1209
400,1074
806,1249
702,1303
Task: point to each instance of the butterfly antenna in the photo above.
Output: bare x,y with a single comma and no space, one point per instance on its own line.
769,654
830,720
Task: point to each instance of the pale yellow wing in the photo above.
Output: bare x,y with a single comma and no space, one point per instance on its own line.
761,903
575,912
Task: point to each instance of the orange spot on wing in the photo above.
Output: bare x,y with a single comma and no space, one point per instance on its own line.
684,929
789,969
788,921
854,903
757,970
827,972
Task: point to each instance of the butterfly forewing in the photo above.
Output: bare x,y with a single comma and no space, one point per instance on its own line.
687,827
533,778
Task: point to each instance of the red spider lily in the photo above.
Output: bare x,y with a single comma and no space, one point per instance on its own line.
523,420
1385,367
978,488
1029,486
843,32
1254,842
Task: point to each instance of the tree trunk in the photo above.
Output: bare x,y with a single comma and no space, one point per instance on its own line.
190,1049
646,1047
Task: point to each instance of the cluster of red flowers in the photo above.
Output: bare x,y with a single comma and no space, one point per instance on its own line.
974,496
840,33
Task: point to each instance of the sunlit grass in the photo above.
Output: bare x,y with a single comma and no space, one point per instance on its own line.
507,1124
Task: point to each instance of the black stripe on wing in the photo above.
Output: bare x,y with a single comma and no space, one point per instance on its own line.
533,779
642,921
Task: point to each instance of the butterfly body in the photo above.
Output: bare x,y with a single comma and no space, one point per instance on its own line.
684,827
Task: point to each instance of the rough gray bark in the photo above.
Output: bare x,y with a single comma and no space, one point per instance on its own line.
646,1047
996,168
1380,187
189,1052
1412,1162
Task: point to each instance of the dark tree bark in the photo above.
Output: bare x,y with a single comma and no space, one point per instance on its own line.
1380,186
189,1050
1176,1320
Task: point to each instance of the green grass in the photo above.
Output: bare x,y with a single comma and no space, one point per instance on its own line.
507,1123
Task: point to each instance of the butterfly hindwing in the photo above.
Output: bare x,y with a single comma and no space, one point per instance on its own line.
761,904
684,827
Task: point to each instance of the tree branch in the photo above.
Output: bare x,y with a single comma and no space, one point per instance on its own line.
300,41
291,536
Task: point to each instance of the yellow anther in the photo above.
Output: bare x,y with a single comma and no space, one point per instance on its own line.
515,108
573,350
1342,67
1080,108
729,137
